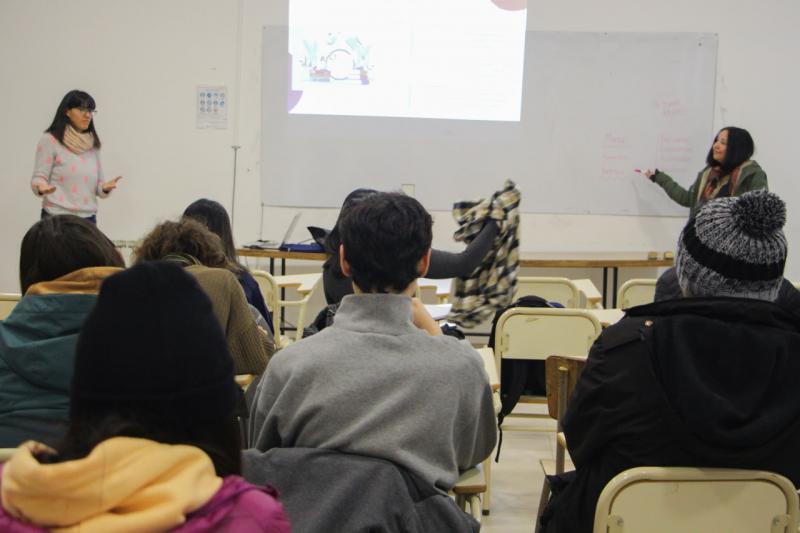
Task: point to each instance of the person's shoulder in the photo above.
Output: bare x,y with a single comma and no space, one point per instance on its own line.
261,504
246,278
218,275
239,506
311,352
453,351
48,141
628,330
753,168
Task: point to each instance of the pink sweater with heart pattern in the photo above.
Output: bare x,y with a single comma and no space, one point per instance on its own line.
78,178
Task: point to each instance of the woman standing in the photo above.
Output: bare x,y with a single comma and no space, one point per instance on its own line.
729,171
68,174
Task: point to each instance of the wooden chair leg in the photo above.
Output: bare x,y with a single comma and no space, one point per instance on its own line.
545,497
487,472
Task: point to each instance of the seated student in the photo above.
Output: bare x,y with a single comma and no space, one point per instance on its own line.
215,218
200,252
152,444
63,261
707,380
443,265
381,381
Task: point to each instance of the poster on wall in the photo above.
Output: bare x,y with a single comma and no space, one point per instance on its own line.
212,107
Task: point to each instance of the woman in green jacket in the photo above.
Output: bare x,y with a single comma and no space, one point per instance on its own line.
729,171
63,261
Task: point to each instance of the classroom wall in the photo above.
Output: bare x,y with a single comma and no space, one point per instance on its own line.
142,61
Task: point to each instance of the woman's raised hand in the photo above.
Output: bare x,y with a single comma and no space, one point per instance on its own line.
111,184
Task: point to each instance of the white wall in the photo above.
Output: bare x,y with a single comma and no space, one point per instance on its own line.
142,60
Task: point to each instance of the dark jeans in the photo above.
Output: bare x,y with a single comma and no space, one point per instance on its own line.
92,219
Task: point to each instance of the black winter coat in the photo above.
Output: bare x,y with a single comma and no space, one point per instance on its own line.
708,382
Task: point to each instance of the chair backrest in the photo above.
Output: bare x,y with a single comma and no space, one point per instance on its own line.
8,301
539,332
561,290
272,297
271,287
636,292
668,499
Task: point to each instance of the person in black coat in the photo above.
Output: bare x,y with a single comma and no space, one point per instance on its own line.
707,380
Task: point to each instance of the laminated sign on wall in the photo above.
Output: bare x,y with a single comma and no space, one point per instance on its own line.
212,107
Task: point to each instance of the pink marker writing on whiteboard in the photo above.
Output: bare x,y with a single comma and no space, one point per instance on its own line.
639,170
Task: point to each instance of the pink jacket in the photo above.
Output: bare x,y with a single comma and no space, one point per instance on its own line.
236,507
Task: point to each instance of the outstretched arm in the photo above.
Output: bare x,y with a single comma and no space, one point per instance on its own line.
451,265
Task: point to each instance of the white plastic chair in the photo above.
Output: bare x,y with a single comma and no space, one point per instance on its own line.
668,499
8,301
539,332
561,290
636,292
468,489
271,286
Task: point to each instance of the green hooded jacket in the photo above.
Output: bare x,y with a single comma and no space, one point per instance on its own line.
37,352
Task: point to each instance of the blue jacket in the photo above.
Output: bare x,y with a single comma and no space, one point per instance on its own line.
37,352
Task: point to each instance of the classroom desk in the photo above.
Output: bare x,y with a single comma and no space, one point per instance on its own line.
612,261
272,255
605,260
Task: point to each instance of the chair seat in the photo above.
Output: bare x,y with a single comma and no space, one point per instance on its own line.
470,481
549,466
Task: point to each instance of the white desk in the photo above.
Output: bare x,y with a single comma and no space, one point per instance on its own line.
593,297
607,317
442,287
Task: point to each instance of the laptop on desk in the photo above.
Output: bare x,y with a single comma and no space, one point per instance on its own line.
273,245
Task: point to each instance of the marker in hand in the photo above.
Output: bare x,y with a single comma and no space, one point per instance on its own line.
639,170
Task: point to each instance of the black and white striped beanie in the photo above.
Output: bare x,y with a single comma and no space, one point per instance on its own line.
734,247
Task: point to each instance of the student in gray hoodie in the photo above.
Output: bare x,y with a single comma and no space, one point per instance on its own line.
381,381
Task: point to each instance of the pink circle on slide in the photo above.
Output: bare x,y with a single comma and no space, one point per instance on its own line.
511,5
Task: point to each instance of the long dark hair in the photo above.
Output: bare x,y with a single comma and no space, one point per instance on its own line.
216,219
739,149
58,245
72,99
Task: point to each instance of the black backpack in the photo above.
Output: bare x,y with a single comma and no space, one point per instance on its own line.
517,376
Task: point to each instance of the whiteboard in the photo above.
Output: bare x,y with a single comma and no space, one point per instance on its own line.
594,107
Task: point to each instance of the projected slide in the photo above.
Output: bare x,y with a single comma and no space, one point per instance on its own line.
445,59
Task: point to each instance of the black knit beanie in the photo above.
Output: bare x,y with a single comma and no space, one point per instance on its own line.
153,349
734,247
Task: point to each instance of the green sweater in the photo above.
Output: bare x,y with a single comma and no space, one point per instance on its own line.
37,353
751,178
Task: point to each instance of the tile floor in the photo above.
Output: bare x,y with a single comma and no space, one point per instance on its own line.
517,478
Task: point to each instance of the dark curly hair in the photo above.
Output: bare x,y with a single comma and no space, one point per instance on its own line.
187,238
385,236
